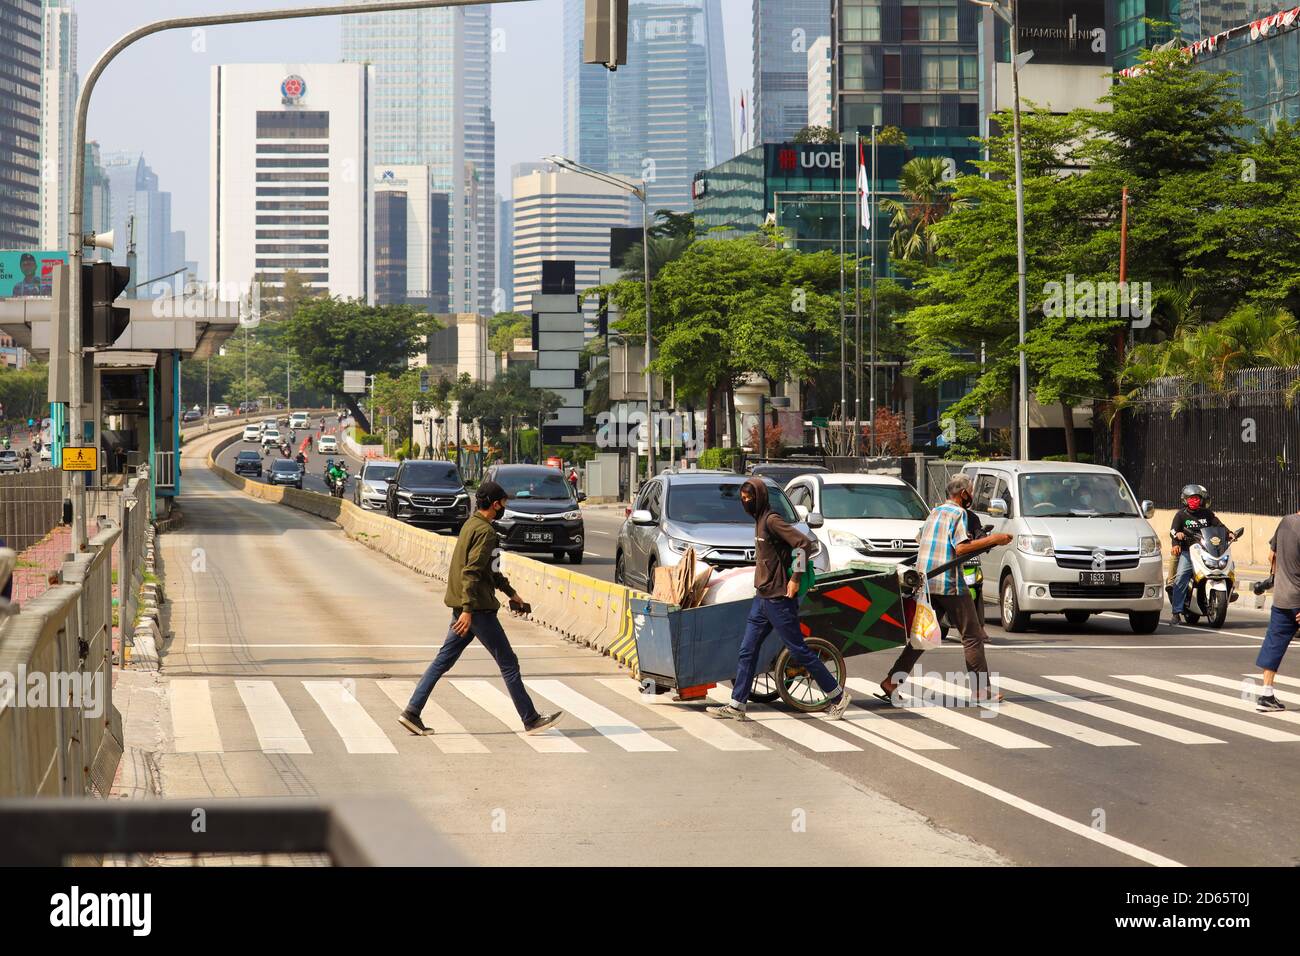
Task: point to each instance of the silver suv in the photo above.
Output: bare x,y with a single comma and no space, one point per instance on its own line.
699,510
1080,543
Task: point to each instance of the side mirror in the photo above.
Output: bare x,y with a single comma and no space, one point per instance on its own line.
642,517
1148,509
1238,533
997,508
815,520
802,512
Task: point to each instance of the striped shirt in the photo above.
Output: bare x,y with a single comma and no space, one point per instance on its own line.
943,531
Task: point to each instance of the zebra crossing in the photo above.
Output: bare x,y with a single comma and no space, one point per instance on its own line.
474,718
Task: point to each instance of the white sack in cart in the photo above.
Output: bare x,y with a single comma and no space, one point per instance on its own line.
736,584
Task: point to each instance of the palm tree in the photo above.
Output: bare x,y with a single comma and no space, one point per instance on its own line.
927,198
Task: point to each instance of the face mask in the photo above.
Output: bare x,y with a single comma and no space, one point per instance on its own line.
1193,503
749,504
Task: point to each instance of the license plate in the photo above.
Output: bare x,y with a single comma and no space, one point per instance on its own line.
1099,577
539,537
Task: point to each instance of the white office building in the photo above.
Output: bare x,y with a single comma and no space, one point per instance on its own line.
560,215
291,176
59,85
821,82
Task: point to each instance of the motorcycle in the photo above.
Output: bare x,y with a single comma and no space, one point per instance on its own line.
337,486
1214,575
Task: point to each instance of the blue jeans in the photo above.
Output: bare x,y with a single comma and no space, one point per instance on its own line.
1182,581
781,614
1282,628
485,626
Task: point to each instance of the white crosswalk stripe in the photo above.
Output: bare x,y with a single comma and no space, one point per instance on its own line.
1037,718
699,725
1100,711
971,723
1250,684
194,724
360,733
1209,696
890,724
498,704
277,731
1219,721
622,732
448,734
800,731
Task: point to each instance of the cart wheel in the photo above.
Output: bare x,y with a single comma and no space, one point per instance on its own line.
795,684
765,690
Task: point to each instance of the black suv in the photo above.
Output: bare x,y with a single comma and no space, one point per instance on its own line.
248,462
541,511
285,471
428,493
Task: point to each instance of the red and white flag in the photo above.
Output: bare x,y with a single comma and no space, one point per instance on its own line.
864,190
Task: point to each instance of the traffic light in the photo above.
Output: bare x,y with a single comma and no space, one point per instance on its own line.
605,38
102,323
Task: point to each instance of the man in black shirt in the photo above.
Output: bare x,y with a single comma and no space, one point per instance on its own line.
1194,515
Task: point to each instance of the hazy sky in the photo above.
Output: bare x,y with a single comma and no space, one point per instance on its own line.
155,96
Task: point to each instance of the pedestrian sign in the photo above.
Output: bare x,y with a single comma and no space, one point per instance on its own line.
80,459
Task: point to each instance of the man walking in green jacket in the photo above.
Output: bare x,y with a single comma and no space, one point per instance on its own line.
472,581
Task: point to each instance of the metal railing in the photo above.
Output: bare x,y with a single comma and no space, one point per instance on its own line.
165,468
31,505
373,831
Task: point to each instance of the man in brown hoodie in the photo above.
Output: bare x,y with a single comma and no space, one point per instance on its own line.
776,605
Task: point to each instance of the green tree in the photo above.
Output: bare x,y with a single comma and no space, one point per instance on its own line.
817,135
504,328
927,198
331,335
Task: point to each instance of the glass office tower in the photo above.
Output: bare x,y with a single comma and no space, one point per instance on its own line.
784,31
20,125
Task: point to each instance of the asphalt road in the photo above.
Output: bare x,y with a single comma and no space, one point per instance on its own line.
293,649
314,479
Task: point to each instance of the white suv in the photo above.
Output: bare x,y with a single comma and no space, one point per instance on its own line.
327,443
252,433
863,517
1080,543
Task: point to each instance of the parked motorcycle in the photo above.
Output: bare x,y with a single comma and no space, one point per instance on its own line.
1214,575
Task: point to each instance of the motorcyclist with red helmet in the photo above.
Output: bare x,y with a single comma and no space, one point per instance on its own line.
1194,515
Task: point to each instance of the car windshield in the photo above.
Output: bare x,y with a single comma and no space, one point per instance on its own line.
250,456
540,485
872,501
700,502
380,472
8,453
285,464
1070,494
431,473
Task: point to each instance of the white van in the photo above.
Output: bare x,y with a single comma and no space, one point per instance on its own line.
299,420
1080,543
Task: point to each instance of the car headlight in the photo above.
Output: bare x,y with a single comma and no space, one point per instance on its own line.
679,546
403,494
1149,545
1039,544
847,540
571,516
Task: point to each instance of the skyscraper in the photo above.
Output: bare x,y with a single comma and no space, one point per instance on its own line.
20,125
665,115
784,30
432,106
134,195
59,85
505,254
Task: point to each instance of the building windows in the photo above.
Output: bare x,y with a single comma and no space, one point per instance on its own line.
293,148
295,124
892,68
936,23
861,21
293,190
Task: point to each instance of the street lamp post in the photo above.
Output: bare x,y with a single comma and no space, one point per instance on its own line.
642,193
1007,11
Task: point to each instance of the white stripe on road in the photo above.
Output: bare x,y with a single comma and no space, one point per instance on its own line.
1068,728
253,647
360,733
699,725
499,705
622,732
1251,684
1105,712
1178,710
194,725
277,731
594,531
871,724
1076,827
1209,696
792,728
448,734
979,727
1189,627
1277,679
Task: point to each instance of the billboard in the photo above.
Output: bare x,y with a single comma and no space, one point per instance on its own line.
28,274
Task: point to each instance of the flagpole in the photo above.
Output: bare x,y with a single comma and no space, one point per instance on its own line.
857,292
871,218
844,358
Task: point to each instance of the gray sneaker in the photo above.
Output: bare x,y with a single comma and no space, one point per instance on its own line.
726,712
542,722
837,710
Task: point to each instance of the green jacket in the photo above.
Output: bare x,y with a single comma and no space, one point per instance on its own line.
472,579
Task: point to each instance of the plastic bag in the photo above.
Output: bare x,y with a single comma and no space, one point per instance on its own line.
924,633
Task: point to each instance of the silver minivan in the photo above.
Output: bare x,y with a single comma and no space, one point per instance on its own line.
1080,543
